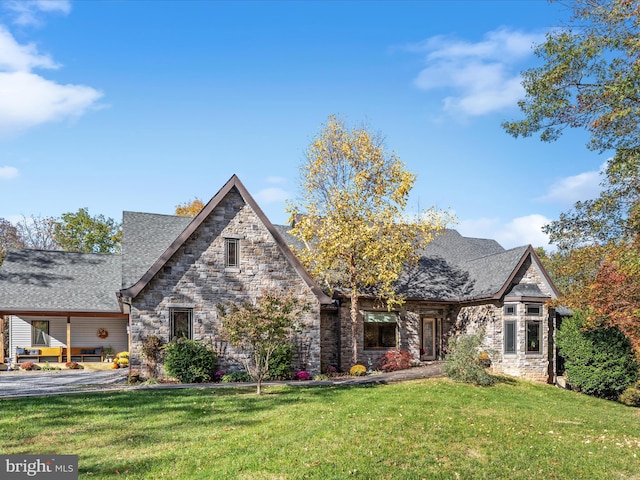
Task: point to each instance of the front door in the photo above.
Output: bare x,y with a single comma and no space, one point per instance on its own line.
428,339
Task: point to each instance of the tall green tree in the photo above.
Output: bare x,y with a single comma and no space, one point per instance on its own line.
590,79
352,218
80,232
260,329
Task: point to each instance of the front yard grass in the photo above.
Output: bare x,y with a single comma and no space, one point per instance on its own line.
420,429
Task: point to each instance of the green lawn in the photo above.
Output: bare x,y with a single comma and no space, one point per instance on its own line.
421,429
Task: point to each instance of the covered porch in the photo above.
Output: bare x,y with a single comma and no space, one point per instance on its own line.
65,336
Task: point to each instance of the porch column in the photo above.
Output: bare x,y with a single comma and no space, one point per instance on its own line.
68,339
2,320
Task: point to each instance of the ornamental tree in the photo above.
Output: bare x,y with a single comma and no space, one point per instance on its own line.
615,294
259,329
351,216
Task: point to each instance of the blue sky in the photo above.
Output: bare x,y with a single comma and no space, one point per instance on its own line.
141,105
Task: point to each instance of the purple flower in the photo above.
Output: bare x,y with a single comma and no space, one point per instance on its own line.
303,375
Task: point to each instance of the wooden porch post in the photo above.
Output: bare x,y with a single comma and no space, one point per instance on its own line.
2,338
68,339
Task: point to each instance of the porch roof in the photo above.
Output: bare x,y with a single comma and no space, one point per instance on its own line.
49,281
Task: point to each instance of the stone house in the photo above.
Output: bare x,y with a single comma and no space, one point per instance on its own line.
174,270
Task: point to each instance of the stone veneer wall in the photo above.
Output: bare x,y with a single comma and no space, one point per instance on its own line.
491,318
409,331
195,277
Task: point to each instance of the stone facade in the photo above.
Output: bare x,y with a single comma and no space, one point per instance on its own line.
459,318
196,278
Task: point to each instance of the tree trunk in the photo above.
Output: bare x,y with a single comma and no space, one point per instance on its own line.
259,391
354,326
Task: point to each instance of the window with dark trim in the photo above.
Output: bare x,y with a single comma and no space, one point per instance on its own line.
510,309
533,309
181,322
510,336
40,333
533,336
231,252
380,330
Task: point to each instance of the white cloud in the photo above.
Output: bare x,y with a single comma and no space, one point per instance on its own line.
580,187
27,12
7,173
32,100
482,76
271,195
519,231
20,58
29,99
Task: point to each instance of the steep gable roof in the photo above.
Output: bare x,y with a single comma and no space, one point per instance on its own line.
233,183
145,236
46,281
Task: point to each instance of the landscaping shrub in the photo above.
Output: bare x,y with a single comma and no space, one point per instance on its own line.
331,371
395,359
358,370
238,376
280,363
27,366
134,378
73,365
303,375
631,396
190,361
48,368
598,361
152,353
462,363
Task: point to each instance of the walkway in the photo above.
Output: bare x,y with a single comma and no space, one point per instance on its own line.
23,384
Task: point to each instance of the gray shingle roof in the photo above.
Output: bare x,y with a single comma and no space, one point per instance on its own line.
53,280
453,267
146,236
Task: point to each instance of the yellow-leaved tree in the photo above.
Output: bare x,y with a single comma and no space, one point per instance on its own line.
189,209
351,216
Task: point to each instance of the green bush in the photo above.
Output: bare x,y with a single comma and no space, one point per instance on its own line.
190,361
631,396
462,362
280,363
598,361
233,377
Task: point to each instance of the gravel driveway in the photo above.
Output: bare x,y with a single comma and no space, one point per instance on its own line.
42,383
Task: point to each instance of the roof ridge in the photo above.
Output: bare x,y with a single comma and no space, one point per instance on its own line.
525,247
